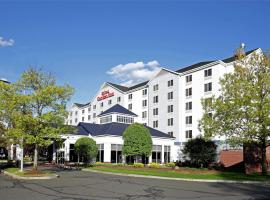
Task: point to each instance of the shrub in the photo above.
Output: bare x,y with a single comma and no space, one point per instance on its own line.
171,164
154,165
138,165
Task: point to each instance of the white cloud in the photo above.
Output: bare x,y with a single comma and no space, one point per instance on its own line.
6,43
132,73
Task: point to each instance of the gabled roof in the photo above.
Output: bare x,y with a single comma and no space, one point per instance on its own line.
82,105
233,58
114,129
196,65
117,109
126,89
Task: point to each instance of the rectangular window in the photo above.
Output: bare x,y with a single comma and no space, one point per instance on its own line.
70,121
94,115
76,120
118,99
130,106
144,92
170,95
188,78
170,122
82,111
144,103
156,153
106,119
125,120
100,155
89,109
130,96
110,102
189,120
155,111
144,114
167,154
189,105
207,72
170,108
188,92
170,133
189,134
70,114
89,117
155,87
94,107
101,104
155,99
76,112
170,83
155,124
207,87
116,153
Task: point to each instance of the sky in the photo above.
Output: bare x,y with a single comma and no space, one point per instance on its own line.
86,43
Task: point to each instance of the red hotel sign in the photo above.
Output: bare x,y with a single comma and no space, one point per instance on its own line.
104,95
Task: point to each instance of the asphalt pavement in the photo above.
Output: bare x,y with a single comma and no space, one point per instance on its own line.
81,185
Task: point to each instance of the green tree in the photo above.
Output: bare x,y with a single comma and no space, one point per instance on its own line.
242,111
34,109
201,152
137,141
86,148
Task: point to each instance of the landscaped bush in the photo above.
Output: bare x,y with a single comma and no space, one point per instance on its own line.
154,165
171,164
138,165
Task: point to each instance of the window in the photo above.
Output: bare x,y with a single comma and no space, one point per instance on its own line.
82,111
170,108
144,114
94,107
89,109
106,119
144,103
207,87
76,112
156,153
155,99
170,122
116,153
110,102
170,95
170,133
76,120
155,87
144,92
189,105
189,120
101,104
188,92
189,134
94,115
130,106
82,119
118,99
207,72
100,155
167,154
188,78
155,111
124,119
170,83
89,117
70,114
155,124
70,121
130,96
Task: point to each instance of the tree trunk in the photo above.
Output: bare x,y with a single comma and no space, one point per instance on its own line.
35,157
264,161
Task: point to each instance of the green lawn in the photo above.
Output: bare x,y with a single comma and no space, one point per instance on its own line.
182,174
16,171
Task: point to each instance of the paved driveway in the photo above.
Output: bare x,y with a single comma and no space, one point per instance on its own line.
87,185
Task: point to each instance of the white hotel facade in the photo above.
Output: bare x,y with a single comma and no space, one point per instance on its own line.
170,102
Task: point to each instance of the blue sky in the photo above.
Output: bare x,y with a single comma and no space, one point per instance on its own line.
81,41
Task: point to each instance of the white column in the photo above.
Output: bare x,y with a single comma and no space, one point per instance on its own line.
107,152
150,158
162,154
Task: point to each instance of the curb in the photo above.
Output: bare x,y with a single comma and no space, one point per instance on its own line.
179,179
28,178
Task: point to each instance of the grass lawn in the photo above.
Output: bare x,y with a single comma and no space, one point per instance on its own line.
27,173
187,173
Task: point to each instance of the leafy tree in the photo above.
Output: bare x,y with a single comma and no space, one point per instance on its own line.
87,148
137,141
201,152
242,111
34,109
